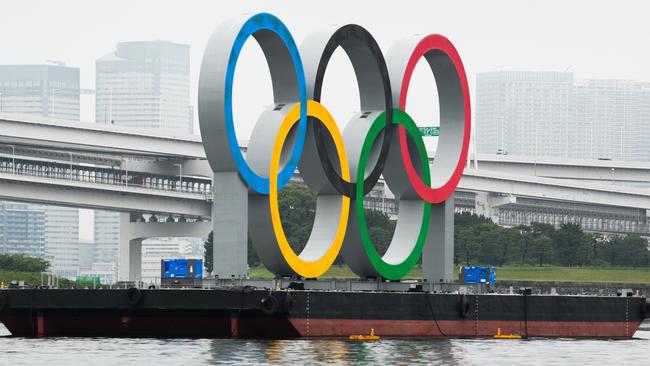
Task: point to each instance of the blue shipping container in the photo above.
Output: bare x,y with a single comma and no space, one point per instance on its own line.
479,274
182,268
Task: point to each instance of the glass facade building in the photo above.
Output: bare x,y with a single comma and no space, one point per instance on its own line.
553,114
44,90
145,85
22,229
49,91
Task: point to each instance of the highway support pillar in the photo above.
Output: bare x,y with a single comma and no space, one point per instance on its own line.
438,253
230,226
133,230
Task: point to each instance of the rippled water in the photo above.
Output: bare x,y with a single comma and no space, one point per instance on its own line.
132,351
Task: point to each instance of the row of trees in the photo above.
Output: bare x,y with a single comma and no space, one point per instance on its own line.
21,263
477,239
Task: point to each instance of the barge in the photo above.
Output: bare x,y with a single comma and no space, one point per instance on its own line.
252,312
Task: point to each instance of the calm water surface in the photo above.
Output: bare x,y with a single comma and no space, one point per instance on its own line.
192,352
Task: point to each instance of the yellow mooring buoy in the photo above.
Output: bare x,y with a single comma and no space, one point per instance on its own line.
361,337
506,336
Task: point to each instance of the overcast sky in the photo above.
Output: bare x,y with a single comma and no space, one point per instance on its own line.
593,39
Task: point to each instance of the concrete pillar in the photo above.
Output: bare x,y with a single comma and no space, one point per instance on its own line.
135,260
230,226
487,204
438,253
125,267
133,230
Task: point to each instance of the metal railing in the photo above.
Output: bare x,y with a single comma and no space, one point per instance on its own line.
101,175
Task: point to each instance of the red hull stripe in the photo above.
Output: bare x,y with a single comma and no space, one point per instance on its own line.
463,328
135,326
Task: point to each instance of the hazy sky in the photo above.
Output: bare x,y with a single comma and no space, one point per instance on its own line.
593,39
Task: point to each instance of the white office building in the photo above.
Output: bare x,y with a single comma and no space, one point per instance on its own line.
49,91
145,85
62,240
44,90
611,120
553,114
523,113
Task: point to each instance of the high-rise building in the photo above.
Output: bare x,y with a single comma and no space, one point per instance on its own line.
22,229
140,85
50,91
523,113
44,90
608,120
145,85
62,240
551,114
107,236
644,114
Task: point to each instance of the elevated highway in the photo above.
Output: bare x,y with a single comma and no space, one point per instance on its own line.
554,189
578,169
137,163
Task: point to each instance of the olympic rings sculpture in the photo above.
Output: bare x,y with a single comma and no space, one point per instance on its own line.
297,132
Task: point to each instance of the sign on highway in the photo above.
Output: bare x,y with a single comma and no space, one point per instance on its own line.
430,131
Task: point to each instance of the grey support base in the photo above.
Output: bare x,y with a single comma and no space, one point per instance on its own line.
438,253
230,226
133,231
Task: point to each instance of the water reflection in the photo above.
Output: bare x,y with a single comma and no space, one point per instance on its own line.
334,351
136,351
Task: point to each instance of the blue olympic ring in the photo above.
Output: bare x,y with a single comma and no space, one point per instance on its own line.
265,21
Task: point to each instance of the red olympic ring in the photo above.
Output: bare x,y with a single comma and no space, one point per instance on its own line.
428,44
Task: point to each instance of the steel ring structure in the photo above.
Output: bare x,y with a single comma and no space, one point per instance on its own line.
297,132
215,93
455,111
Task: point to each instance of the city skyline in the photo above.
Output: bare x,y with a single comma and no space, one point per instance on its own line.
535,45
546,41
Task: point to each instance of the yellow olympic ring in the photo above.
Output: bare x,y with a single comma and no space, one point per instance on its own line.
308,269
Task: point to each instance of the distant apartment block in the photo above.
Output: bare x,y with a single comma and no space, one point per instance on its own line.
48,91
22,229
554,114
145,85
523,113
44,90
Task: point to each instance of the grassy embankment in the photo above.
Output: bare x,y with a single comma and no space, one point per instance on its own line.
34,279
520,273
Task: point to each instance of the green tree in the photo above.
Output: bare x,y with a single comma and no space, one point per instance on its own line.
21,263
526,236
297,209
466,246
539,228
630,250
491,244
600,249
381,229
465,219
207,253
571,244
542,249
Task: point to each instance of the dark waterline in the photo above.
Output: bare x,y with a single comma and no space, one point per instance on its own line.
131,351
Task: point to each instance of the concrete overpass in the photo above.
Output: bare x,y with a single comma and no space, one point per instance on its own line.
560,168
554,189
46,133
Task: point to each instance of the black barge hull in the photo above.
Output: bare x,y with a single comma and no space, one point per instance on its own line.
255,313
